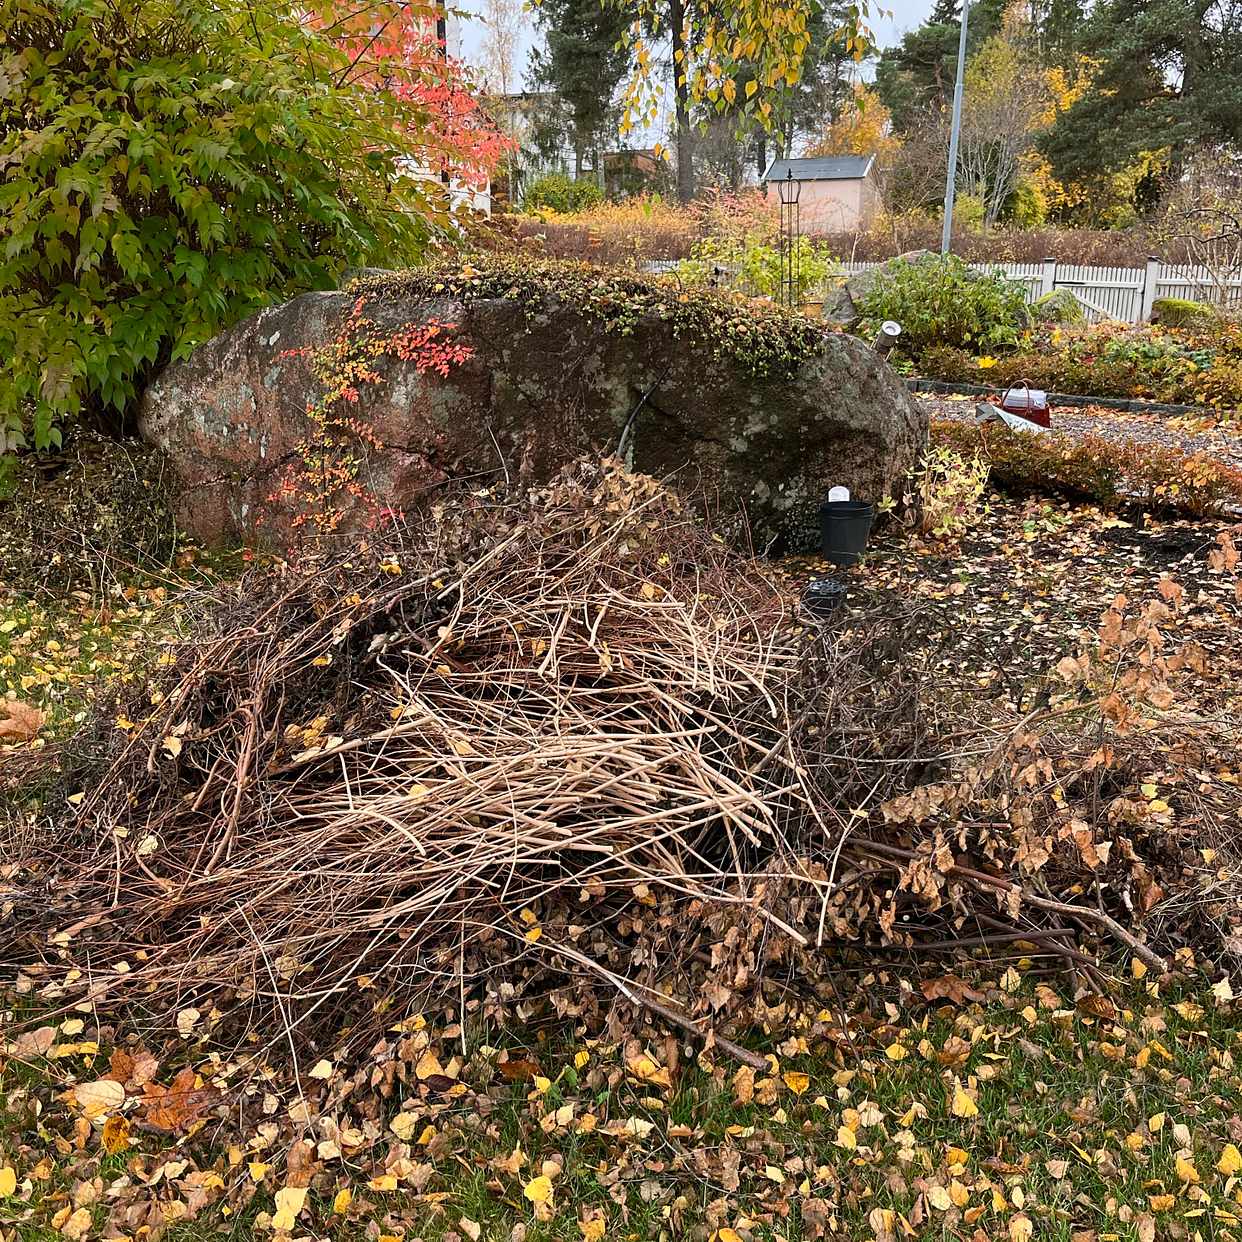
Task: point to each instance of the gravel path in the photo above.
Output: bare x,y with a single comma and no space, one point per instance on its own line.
1222,441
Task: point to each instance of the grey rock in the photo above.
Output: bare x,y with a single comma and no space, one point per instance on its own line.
545,384
840,306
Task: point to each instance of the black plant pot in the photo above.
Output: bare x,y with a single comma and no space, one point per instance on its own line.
844,527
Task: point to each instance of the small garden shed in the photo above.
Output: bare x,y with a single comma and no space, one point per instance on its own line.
836,194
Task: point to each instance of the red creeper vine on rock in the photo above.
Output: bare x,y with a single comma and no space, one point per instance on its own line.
323,481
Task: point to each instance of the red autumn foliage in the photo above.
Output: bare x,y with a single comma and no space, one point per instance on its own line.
398,46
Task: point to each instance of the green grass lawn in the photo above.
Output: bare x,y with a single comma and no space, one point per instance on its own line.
1023,1115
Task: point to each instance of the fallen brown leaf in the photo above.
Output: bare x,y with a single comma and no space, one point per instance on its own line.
19,721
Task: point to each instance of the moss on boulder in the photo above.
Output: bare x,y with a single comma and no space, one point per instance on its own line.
1181,312
757,408
1059,306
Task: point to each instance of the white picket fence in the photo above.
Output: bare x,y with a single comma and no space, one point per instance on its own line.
1119,293
1123,294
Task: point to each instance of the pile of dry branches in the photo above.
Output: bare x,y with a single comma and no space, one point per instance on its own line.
566,730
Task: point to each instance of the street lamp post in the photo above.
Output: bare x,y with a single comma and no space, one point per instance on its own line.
950,185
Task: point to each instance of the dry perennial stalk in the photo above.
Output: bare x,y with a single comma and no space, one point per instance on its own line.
571,729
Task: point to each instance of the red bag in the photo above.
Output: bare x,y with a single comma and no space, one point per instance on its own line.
1030,403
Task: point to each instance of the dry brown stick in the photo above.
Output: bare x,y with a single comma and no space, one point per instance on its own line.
669,1013
1146,955
242,776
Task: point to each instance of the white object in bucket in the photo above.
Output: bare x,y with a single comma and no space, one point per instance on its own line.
838,493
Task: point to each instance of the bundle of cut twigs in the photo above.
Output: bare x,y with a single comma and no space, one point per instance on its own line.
387,770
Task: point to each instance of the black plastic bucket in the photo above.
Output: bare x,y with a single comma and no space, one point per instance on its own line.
844,526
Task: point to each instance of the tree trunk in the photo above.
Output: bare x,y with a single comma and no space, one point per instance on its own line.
1196,67
681,94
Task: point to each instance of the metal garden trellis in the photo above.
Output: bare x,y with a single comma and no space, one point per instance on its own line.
791,230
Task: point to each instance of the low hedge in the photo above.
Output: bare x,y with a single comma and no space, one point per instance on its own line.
1182,366
1111,474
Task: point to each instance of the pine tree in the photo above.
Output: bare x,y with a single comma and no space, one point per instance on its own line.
582,63
1169,79
1059,30
915,79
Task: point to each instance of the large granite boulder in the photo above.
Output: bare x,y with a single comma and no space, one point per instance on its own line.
756,409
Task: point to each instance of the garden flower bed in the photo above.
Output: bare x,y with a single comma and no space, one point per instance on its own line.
1199,366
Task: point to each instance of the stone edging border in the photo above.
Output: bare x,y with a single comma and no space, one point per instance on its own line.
1060,398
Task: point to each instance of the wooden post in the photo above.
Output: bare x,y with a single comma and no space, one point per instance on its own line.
1048,278
1150,275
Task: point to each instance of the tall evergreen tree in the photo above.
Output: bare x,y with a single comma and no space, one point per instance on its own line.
1059,31
915,78
1169,78
583,64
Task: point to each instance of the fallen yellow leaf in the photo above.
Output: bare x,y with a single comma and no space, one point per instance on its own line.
428,1066
289,1202
538,1189
1185,1170
115,1134
647,1069
1230,1161
593,1229
963,1105
797,1081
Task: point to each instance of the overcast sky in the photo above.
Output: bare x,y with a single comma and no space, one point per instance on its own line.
903,15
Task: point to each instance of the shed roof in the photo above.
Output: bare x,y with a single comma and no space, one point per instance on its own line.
821,168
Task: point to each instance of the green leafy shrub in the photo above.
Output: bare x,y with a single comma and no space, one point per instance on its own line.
562,194
168,167
948,493
938,300
1111,474
754,265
